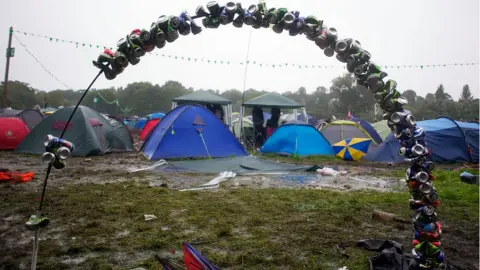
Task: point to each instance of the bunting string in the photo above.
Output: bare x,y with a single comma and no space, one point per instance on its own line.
116,101
125,110
189,59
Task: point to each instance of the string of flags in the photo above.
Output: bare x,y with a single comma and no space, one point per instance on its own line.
126,110
116,101
79,44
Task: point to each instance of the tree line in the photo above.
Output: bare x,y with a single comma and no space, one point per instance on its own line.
142,98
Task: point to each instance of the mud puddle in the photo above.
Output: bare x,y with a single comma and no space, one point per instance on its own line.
315,181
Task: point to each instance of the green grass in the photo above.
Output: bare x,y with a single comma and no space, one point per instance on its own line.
240,228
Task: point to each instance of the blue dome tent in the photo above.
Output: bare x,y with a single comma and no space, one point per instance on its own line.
297,139
449,141
190,131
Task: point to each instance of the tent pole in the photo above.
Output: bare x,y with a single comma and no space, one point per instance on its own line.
305,115
241,123
246,66
230,111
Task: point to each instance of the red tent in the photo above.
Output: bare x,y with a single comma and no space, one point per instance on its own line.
12,132
152,123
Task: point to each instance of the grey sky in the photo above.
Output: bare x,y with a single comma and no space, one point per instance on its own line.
395,32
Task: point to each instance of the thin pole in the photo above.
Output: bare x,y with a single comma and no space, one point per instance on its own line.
7,68
246,66
36,241
244,84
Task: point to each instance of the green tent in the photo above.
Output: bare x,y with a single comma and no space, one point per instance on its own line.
201,97
382,129
91,132
272,100
248,128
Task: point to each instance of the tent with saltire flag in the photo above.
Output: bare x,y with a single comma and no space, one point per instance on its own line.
91,132
352,149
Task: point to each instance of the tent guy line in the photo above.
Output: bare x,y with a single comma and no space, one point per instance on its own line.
40,63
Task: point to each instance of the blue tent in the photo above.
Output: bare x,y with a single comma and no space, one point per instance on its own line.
191,131
157,115
449,141
368,128
297,139
140,123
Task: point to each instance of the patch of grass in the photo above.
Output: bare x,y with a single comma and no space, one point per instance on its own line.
236,229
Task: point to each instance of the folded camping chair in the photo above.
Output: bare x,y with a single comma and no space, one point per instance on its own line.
192,259
248,137
259,136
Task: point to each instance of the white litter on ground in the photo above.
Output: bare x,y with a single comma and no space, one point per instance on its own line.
214,183
161,162
330,172
149,217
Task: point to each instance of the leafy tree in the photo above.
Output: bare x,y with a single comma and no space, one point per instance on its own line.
466,94
351,96
19,95
235,96
144,98
411,96
440,94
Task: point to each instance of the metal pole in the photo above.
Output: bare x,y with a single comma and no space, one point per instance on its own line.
246,66
245,83
7,67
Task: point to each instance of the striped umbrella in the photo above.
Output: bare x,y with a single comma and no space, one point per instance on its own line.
351,149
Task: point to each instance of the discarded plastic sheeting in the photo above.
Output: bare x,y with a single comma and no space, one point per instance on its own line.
159,163
238,165
214,183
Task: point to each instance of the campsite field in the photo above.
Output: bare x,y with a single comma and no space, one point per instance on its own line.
97,216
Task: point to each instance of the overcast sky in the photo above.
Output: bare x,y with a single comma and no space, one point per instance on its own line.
407,32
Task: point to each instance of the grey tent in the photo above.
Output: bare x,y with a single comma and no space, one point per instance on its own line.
201,97
204,98
272,100
49,109
90,132
269,100
30,117
9,112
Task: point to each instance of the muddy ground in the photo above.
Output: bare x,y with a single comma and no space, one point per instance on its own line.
114,168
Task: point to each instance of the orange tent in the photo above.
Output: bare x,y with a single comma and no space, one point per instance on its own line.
149,126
